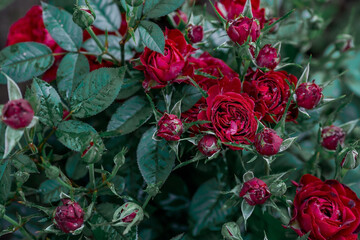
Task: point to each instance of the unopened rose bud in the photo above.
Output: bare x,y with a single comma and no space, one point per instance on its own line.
52,172
308,95
195,33
344,42
22,177
170,127
92,153
179,19
255,192
242,28
83,17
268,57
17,113
69,217
267,142
208,145
350,161
278,188
128,215
231,231
332,136
275,28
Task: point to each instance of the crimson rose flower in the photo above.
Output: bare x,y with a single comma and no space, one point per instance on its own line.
328,210
17,113
31,28
271,93
255,192
160,70
69,217
230,112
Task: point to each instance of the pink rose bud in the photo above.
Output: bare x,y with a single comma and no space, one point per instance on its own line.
180,17
243,28
208,145
267,142
195,33
69,217
170,127
268,57
255,192
332,136
17,113
308,95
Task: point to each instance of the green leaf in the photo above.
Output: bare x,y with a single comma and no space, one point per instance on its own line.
75,168
50,110
206,207
349,126
130,116
190,96
5,181
131,85
12,137
287,143
159,8
304,237
61,27
70,72
13,89
178,237
76,135
152,36
23,61
50,191
97,91
108,15
24,163
246,210
154,159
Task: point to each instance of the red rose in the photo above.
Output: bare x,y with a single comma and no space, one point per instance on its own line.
170,127
332,136
195,33
160,70
268,57
17,113
267,142
242,28
231,9
308,95
255,192
328,210
230,112
69,217
271,93
31,28
208,145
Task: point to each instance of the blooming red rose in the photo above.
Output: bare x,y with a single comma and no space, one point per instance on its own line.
31,28
242,28
231,9
328,210
69,217
267,142
17,113
268,57
255,192
159,69
271,92
195,33
230,112
208,145
308,95
170,127
332,136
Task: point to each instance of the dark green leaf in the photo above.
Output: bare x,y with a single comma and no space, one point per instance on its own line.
97,91
152,36
23,61
246,210
12,137
5,181
50,110
50,191
131,85
190,96
24,163
154,159
71,69
129,116
75,168
61,27
159,8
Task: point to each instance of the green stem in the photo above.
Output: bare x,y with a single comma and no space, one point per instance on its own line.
21,228
64,184
92,175
148,198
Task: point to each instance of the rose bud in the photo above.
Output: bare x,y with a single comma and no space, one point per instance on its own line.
69,217
268,57
255,192
275,28
231,231
344,42
83,17
242,28
170,127
278,188
208,145
17,113
52,172
65,115
308,95
93,152
195,33
350,161
332,136
21,177
180,19
267,142
128,215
